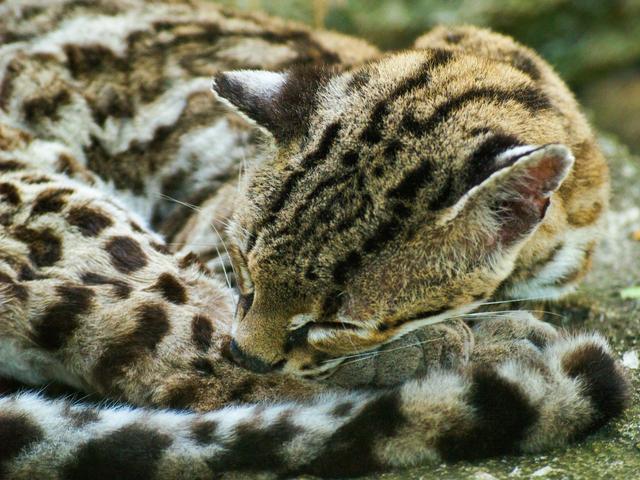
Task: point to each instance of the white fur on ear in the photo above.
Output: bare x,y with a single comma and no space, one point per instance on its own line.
261,84
508,157
553,163
280,102
255,94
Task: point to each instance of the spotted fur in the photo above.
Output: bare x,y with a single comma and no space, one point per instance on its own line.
545,398
105,112
417,186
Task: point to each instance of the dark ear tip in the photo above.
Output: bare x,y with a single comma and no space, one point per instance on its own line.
279,102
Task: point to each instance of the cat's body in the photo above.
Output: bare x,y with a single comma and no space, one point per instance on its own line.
106,112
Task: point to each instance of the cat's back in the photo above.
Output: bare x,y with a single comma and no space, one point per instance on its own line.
125,86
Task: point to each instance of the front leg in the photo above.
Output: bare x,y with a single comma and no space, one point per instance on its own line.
517,334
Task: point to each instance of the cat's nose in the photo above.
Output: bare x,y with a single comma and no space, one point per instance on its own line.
250,362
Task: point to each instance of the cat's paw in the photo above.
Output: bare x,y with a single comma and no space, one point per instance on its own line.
446,345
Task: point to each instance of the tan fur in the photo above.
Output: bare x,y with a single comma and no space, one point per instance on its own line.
108,131
445,260
104,349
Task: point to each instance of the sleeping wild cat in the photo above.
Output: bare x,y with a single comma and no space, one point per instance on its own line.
378,194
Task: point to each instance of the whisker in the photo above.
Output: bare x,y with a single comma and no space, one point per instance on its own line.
359,359
180,202
415,344
361,354
185,244
547,312
514,300
242,170
502,313
483,314
480,314
379,352
197,209
224,245
228,224
473,315
367,355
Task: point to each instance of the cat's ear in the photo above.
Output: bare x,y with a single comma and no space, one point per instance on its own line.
280,102
514,199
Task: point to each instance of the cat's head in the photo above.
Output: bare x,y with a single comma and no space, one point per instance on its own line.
397,194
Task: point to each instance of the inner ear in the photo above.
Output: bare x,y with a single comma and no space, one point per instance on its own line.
280,102
515,198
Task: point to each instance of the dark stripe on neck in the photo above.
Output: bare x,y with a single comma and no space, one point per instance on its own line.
388,229
348,160
325,215
412,182
525,64
302,207
446,196
405,191
529,97
479,166
311,160
372,132
365,203
482,162
385,232
322,240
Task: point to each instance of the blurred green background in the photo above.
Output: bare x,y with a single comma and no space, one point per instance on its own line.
594,44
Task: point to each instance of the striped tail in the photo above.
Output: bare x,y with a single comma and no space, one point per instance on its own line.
563,392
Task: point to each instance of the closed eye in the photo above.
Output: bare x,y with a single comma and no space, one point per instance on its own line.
300,335
322,330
